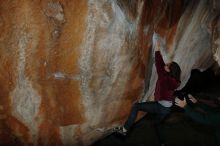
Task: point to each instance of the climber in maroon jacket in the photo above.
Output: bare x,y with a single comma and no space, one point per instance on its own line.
168,81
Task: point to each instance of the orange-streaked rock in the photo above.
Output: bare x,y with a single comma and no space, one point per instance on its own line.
71,69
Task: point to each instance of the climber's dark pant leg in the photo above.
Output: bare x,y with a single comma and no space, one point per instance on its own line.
150,107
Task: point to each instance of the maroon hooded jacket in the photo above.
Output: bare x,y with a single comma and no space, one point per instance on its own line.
166,85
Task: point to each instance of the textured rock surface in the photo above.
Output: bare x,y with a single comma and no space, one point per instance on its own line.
71,69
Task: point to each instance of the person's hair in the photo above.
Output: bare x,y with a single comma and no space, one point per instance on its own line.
175,70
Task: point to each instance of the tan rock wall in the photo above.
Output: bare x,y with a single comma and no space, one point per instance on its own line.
71,69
